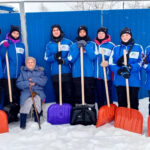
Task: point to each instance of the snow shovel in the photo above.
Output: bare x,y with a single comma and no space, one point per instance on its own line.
36,112
148,124
3,122
83,114
12,109
59,113
128,118
107,112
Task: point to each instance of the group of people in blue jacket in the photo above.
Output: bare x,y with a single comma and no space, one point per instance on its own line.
25,73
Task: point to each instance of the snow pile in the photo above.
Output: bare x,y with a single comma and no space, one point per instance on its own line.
67,137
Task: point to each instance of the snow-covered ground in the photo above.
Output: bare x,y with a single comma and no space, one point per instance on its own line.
67,137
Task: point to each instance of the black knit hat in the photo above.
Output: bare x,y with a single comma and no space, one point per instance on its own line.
14,28
56,26
125,30
83,28
102,29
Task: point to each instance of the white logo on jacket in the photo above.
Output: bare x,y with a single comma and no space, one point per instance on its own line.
19,50
134,55
64,47
107,51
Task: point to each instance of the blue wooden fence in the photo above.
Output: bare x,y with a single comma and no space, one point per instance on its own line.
39,24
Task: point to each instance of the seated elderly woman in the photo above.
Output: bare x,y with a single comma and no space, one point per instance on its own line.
31,76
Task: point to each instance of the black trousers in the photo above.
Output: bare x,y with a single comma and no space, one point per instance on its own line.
1,86
67,92
89,86
15,92
100,92
122,98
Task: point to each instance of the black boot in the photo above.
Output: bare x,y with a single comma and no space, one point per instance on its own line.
23,118
35,118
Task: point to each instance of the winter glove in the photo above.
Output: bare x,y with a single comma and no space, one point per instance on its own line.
60,61
57,55
6,44
124,71
81,43
126,68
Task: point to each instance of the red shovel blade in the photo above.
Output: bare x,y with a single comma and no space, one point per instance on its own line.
3,122
129,119
106,114
148,126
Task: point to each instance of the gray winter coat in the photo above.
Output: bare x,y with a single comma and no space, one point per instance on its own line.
38,78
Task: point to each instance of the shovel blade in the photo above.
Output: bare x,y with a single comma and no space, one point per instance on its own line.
3,122
106,114
129,119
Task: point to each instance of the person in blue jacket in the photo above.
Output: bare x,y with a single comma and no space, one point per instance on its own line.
146,66
89,55
31,76
16,55
131,72
54,57
103,41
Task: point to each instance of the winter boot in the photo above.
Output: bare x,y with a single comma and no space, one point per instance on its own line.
23,118
35,118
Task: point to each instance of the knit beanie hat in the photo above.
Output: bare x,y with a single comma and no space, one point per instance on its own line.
125,30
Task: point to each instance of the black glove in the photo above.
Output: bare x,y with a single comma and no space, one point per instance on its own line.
126,68
57,55
124,71
81,43
60,61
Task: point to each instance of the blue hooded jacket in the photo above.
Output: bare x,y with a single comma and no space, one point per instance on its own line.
135,60
88,60
147,68
107,47
52,49
16,56
38,77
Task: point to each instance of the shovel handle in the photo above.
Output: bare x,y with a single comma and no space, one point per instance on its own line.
8,76
127,81
60,81
36,112
105,79
82,76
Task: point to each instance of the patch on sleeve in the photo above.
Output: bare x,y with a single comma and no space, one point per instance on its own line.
70,58
134,55
19,50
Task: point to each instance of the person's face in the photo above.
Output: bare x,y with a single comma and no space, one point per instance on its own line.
101,35
56,32
82,33
125,37
15,34
30,64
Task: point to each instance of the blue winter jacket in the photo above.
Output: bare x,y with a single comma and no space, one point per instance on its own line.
38,78
16,56
135,60
88,60
107,47
52,49
147,68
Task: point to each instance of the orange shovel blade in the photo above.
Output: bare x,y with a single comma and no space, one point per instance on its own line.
148,126
106,114
3,122
129,119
